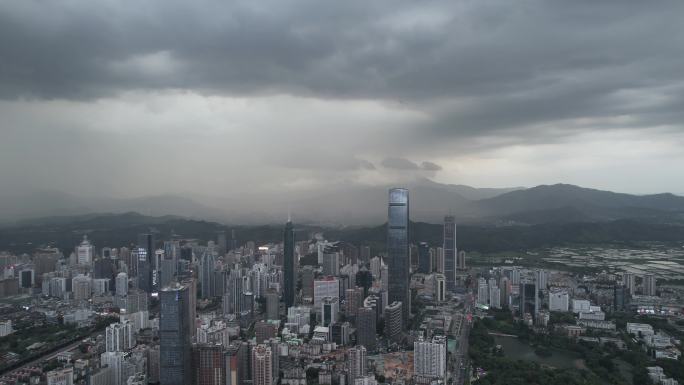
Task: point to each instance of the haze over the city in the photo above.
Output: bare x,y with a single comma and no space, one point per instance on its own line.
271,101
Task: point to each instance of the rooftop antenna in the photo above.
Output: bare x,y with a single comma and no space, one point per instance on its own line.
289,214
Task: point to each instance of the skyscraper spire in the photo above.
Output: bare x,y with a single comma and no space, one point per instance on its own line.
290,278
398,250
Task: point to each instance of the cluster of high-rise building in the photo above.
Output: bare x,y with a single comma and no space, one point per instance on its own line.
221,313
516,289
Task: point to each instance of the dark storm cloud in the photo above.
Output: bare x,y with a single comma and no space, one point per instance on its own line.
399,164
429,166
316,90
473,66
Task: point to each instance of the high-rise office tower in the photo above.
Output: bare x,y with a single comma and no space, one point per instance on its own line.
208,364
365,254
174,335
234,353
430,358
148,242
366,328
262,363
515,276
121,284
101,286
264,331
542,279
356,362
119,337
221,243
290,275
146,251
450,251
439,260
169,266
649,285
364,279
81,287
325,287
331,263
529,298
275,365
307,282
505,286
272,305
152,365
384,277
393,321
482,291
439,287
27,278
84,252
629,281
494,295
620,297
144,269
330,307
375,264
104,268
353,301
398,250
245,360
115,361
207,274
460,260
340,332
424,263
247,302
537,293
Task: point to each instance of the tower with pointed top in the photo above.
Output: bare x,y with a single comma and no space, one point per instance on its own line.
398,250
290,276
450,251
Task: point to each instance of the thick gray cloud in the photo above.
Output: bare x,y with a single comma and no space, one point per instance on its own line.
288,95
399,164
430,166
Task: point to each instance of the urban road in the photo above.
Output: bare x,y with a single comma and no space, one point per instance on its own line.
460,363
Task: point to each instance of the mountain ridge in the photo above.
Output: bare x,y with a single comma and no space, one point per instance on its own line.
345,204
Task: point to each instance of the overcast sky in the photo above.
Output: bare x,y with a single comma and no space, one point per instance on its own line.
129,98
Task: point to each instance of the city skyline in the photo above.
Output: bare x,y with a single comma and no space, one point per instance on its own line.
295,192
311,308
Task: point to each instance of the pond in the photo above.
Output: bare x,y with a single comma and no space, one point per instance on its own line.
516,349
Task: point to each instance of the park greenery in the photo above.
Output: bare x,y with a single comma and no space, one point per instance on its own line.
605,364
501,370
50,336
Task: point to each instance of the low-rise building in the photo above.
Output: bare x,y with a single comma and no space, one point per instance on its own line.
6,328
597,324
640,330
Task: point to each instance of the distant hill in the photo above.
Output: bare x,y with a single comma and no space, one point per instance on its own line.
51,203
348,204
569,203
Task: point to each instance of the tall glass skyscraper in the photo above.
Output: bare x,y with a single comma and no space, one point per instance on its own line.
450,252
424,263
398,249
146,242
289,265
174,335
